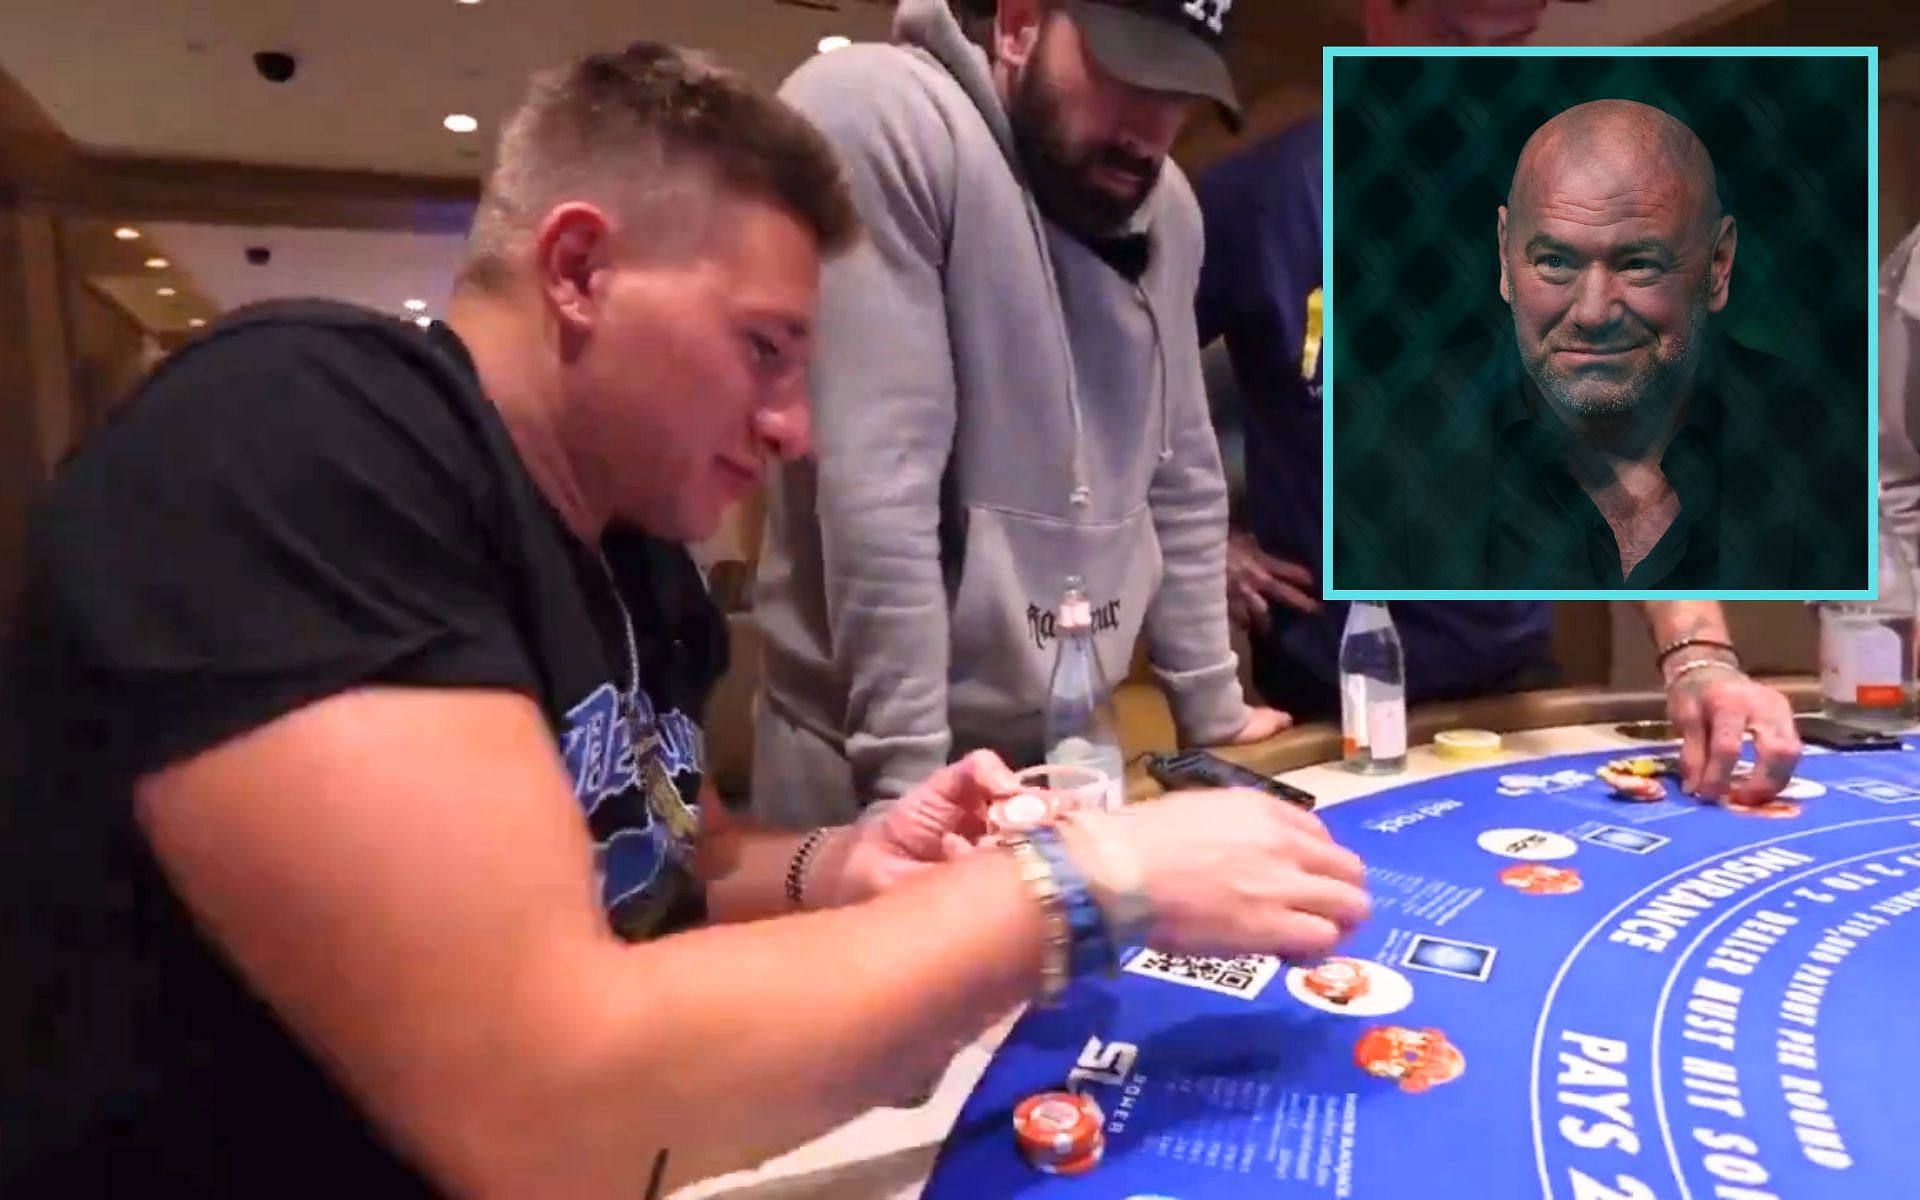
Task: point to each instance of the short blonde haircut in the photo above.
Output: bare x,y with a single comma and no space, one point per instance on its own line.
649,132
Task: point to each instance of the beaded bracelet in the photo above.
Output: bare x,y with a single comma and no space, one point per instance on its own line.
1672,648
802,859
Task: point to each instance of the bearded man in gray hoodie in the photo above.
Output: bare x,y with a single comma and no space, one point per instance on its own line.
1007,392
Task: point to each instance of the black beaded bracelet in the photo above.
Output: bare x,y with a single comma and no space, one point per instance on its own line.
1672,648
802,859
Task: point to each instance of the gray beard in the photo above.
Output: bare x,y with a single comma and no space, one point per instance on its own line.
1657,384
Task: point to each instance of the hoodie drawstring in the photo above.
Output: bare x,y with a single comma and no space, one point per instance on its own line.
1082,494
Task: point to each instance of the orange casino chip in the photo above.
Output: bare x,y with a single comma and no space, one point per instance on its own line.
1540,879
1075,1166
1058,1129
1337,981
1778,810
1629,785
1417,1059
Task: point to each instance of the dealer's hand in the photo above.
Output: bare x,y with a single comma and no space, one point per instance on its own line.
1230,872
934,823
1256,579
1713,708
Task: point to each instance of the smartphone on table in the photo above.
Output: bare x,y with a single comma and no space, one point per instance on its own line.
1200,769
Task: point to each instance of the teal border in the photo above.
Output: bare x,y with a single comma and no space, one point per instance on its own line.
1330,308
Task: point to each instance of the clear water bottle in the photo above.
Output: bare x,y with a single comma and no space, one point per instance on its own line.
1373,691
1082,728
1867,646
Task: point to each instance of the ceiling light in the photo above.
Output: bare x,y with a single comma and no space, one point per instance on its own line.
158,264
166,291
835,42
423,322
460,123
416,306
197,323
126,233
466,1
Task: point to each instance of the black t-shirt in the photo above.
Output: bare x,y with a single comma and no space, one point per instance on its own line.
313,498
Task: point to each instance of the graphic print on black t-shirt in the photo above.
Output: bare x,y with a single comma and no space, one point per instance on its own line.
617,785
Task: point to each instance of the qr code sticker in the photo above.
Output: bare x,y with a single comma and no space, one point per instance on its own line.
1244,976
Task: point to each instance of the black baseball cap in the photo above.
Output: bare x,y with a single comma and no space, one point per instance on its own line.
1163,46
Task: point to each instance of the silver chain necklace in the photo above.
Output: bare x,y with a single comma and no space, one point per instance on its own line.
631,695
662,795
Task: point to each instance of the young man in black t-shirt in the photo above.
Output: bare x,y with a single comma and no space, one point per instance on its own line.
354,771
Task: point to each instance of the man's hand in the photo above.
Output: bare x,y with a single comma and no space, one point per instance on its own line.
1714,707
934,823
1256,579
1230,872
1262,723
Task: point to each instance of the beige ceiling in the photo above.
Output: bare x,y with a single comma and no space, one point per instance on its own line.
378,270
175,78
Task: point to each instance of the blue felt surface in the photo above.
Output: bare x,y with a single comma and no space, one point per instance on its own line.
1730,1012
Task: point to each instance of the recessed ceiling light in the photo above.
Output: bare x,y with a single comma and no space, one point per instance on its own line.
126,233
416,306
157,263
197,323
834,42
466,1
166,291
423,322
460,123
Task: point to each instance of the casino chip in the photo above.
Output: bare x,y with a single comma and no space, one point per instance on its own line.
1022,812
1417,1059
1338,980
1776,809
1646,766
1631,784
1077,1166
1060,1133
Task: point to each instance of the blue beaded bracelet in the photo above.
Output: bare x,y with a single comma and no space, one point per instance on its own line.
1090,949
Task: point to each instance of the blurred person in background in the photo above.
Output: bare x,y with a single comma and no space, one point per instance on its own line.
1261,291
1007,392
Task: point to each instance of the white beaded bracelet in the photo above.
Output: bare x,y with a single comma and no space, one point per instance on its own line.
1701,664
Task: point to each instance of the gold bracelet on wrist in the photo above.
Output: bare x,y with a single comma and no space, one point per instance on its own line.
1700,664
1038,878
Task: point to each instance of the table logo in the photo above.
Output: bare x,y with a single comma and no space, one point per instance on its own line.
1528,785
1103,1062
1632,841
1879,791
1400,820
1528,845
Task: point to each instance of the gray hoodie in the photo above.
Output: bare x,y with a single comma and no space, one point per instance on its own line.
995,409
1900,389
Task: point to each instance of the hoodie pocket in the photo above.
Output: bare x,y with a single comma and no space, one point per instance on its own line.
1003,635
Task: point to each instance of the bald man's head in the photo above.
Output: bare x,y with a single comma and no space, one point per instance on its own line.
1613,250
1621,143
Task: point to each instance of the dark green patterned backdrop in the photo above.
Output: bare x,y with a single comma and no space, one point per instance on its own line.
1423,150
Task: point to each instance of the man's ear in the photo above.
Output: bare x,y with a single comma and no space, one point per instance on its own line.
1500,248
573,245
1720,268
1016,30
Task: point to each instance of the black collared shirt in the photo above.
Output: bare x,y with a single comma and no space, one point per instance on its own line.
1548,533
1444,481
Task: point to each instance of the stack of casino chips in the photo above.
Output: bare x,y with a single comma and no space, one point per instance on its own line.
1060,1133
